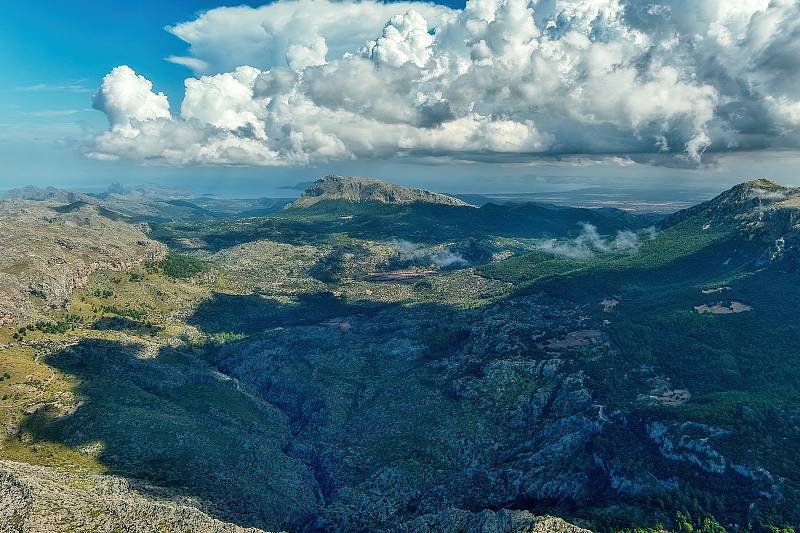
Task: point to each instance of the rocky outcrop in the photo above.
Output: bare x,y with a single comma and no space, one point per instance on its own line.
354,189
502,521
682,447
34,499
693,443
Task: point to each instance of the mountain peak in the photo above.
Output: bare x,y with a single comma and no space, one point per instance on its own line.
358,189
761,210
758,193
757,188
763,183
744,201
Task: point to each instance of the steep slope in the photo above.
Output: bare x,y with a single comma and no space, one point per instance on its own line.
750,226
49,248
743,201
761,213
700,320
355,189
35,498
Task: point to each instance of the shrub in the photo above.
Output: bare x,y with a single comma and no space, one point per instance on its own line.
182,266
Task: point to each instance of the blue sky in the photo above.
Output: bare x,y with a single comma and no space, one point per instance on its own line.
63,43
55,55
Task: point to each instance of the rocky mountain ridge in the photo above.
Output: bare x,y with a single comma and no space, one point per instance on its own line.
153,203
745,201
357,189
761,212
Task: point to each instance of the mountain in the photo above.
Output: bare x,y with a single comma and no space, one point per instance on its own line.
355,189
747,227
47,193
156,203
744,203
763,215
336,205
377,366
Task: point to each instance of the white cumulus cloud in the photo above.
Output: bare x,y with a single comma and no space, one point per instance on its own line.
304,81
128,99
301,32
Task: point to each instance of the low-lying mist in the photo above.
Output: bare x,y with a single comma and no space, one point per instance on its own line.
589,242
440,257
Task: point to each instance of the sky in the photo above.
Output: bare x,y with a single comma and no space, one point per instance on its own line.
489,96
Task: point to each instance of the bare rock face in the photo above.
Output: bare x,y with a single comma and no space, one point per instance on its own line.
34,498
538,416
50,248
354,189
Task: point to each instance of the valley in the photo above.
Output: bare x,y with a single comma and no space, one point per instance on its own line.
376,358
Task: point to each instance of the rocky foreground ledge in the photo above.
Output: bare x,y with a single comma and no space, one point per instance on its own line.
502,521
37,499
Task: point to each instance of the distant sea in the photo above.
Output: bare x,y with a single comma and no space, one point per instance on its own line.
660,200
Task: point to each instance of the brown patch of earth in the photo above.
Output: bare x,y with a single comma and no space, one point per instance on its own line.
576,339
721,309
